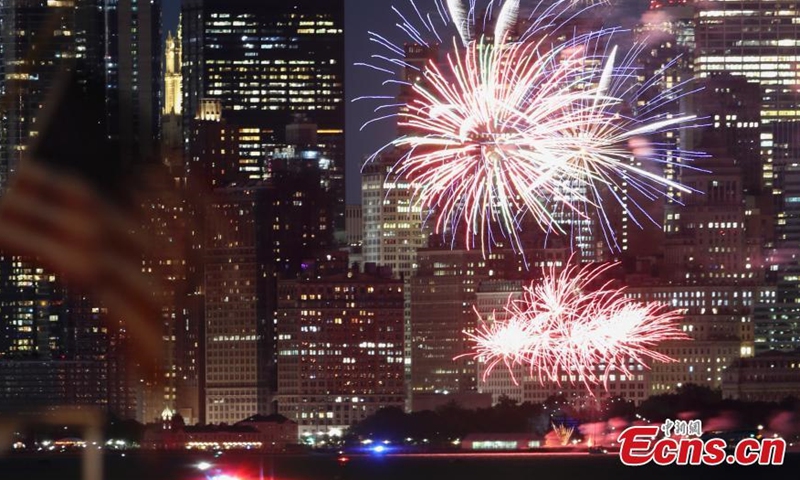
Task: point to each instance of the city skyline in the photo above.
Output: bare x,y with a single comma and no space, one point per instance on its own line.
361,16
217,270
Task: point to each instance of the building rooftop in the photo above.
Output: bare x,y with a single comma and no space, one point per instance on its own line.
220,428
274,418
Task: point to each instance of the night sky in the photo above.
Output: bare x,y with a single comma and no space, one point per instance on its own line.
362,16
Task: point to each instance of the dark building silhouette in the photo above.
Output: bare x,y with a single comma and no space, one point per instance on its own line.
256,234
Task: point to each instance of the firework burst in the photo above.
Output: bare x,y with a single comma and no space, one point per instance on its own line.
561,326
563,433
524,126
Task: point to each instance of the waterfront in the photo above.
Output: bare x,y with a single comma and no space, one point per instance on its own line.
152,466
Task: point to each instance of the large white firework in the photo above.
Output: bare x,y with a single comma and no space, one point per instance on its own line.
544,122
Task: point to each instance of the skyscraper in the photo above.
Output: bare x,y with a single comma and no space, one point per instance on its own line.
756,40
666,32
340,347
35,51
266,61
223,152
707,239
393,221
491,300
133,68
778,325
173,97
43,44
35,54
442,295
171,110
239,326
759,41
256,234
393,227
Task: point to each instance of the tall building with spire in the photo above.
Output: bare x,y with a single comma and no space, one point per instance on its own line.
173,97
172,108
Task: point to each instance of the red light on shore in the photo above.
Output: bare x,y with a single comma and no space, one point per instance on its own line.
343,459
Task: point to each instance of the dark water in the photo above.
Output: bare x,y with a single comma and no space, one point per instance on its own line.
140,466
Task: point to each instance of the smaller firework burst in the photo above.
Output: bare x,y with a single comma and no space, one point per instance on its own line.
563,433
562,326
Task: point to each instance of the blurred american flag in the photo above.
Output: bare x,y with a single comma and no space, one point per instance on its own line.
72,207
